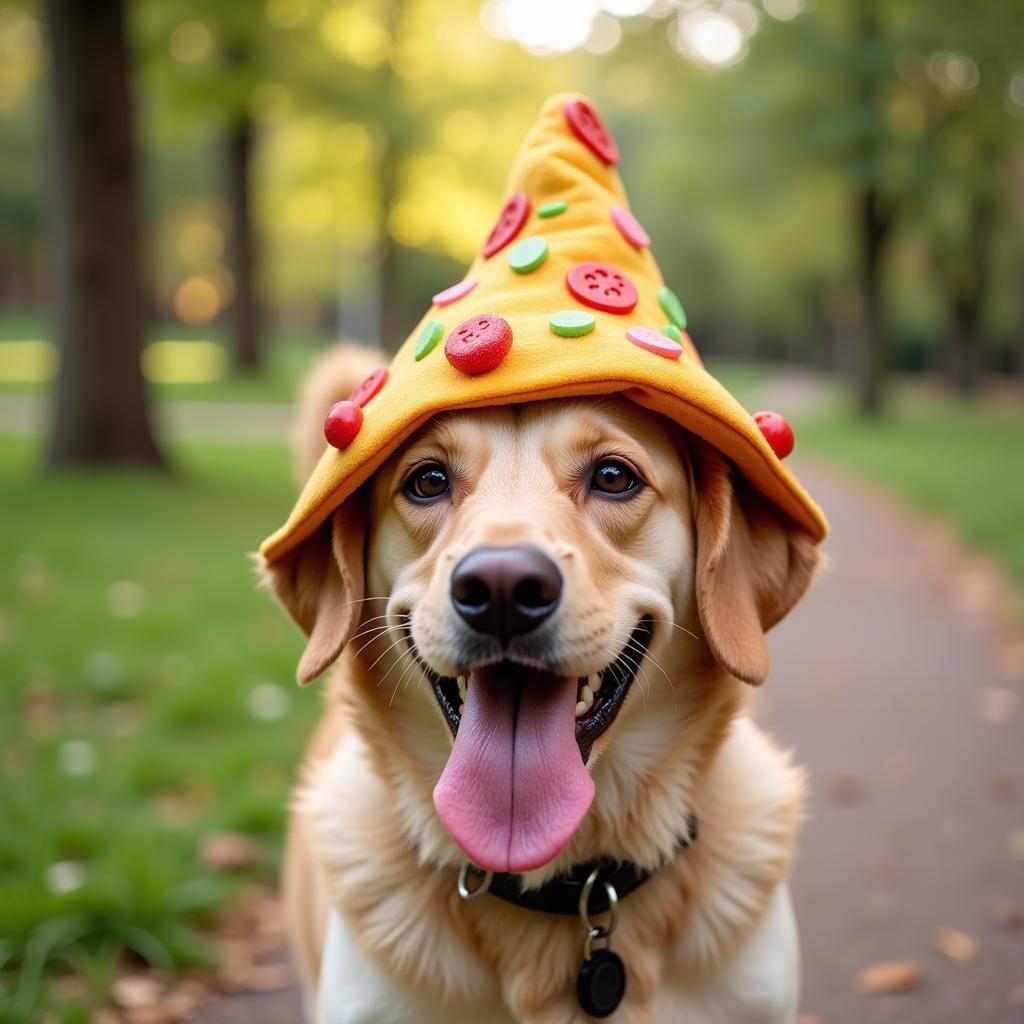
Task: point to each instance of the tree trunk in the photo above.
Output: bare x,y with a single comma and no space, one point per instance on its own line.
873,361
246,347
967,289
874,220
100,412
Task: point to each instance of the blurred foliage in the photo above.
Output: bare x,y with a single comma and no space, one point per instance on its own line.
398,119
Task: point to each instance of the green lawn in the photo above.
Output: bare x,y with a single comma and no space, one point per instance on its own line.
961,461
147,697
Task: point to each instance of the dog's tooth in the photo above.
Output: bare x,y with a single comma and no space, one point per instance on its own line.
463,684
594,681
581,708
587,695
462,707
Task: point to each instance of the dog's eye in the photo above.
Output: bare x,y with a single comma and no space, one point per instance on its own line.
427,483
614,477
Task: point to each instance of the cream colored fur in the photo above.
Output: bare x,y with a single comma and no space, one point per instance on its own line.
716,567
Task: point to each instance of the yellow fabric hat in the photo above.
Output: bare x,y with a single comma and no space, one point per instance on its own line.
564,299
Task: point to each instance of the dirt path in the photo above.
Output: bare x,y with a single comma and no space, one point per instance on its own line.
899,692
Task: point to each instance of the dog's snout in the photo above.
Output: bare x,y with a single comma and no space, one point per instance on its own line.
506,591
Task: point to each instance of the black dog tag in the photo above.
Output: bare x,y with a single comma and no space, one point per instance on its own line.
601,983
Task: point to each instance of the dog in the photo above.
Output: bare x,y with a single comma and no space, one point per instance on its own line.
544,620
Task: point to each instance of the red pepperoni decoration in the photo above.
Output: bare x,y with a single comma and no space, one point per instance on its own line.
479,345
343,423
369,387
777,432
587,126
602,286
509,223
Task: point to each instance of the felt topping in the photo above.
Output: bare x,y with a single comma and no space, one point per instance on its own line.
572,323
479,345
509,223
431,334
602,286
630,228
527,255
672,307
777,432
369,387
343,423
673,332
654,342
456,292
515,787
587,126
552,209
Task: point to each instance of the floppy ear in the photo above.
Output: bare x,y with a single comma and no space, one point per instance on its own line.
753,565
320,584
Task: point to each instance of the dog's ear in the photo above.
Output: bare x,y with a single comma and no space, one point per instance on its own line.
320,584
753,565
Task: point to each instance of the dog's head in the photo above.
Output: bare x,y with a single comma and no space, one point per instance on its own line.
543,599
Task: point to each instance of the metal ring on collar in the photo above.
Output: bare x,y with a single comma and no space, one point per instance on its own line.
464,890
601,931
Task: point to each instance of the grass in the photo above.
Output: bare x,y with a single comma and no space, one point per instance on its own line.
146,698
958,460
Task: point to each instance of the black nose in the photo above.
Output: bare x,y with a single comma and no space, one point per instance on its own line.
506,591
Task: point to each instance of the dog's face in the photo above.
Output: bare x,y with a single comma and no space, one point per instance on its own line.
547,586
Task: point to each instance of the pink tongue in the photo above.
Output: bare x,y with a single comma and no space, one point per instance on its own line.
515,786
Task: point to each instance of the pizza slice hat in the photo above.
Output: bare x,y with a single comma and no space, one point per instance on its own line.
563,299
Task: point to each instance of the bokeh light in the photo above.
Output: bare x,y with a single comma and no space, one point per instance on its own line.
184,362
197,300
190,42
709,37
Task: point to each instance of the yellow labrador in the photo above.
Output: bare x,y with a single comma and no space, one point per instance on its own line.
544,619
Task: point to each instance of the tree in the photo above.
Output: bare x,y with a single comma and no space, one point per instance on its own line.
100,412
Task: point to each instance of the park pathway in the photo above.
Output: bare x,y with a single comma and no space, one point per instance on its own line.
897,686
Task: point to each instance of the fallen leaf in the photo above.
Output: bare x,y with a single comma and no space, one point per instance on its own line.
134,991
845,789
898,768
960,947
229,851
1016,844
1003,788
997,705
257,977
1008,915
889,976
1010,658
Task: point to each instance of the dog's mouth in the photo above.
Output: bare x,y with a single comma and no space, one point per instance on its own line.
599,696
516,787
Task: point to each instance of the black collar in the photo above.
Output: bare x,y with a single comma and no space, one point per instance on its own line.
562,894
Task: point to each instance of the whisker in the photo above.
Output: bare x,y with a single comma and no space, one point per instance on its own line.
400,640
381,630
675,625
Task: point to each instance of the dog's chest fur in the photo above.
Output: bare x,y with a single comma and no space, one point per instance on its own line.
709,939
